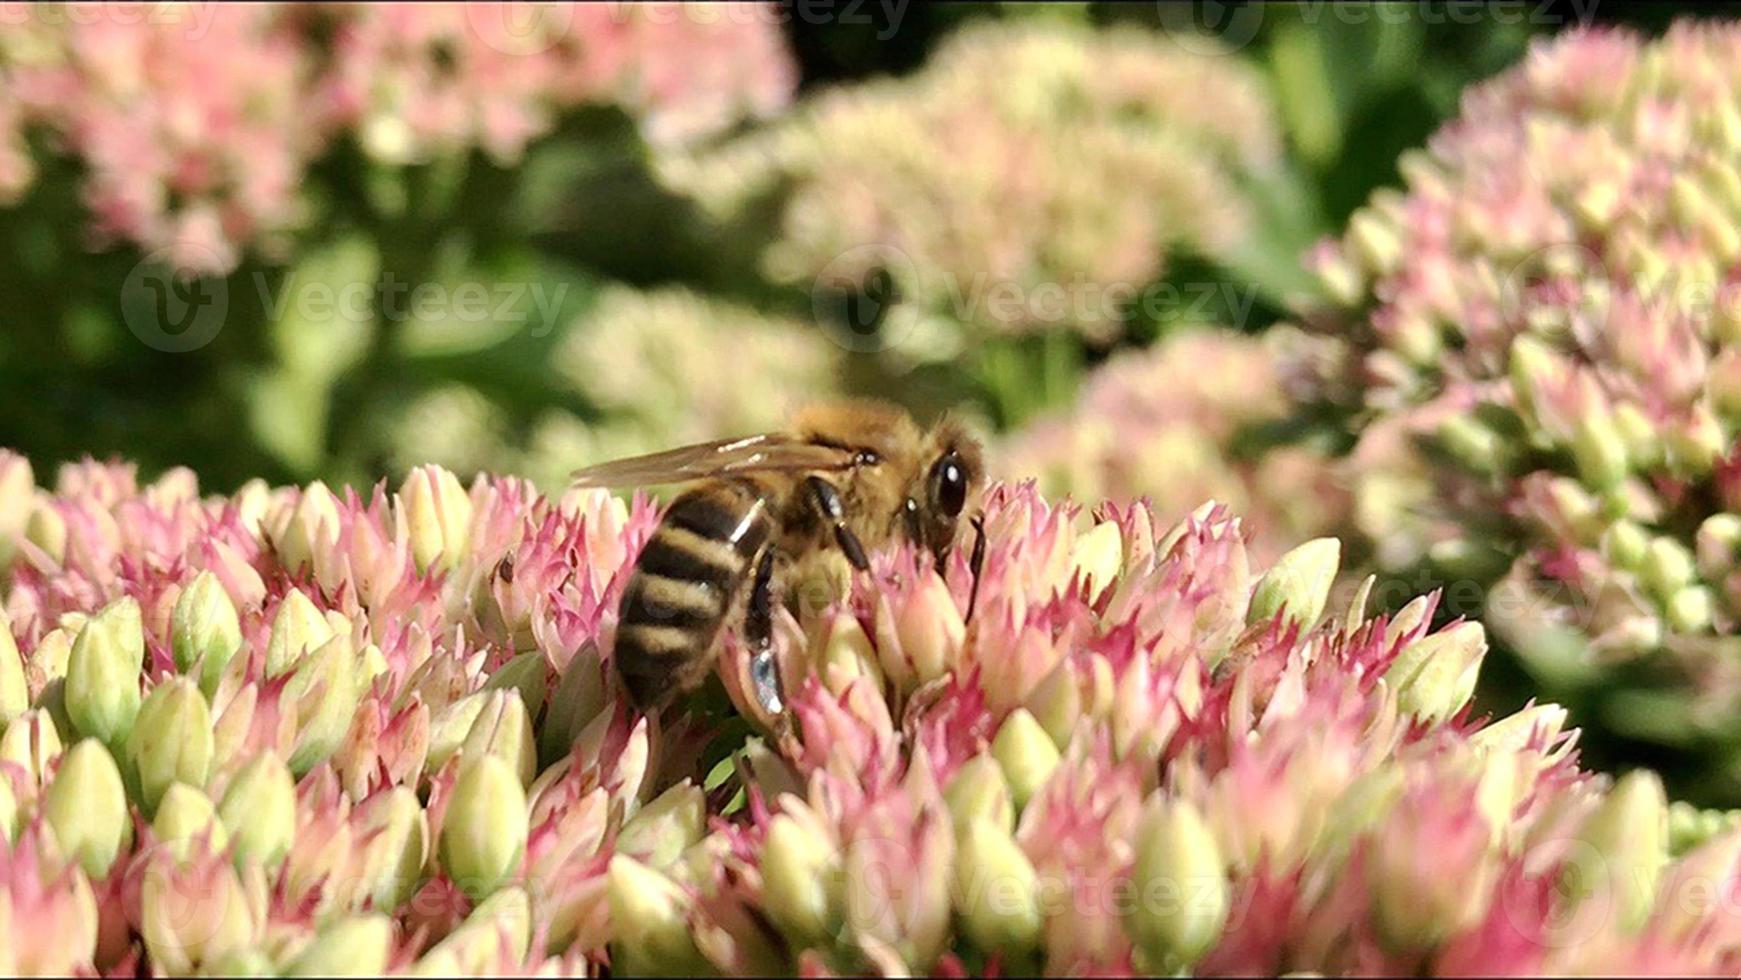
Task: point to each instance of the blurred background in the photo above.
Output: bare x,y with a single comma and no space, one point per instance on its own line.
332,242
418,234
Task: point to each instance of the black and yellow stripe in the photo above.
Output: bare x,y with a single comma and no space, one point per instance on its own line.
683,586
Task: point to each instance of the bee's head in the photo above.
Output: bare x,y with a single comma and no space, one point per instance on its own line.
945,490
908,483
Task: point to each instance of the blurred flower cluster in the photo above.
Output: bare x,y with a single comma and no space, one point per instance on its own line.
657,368
293,730
1169,423
671,366
1034,175
192,127
1540,337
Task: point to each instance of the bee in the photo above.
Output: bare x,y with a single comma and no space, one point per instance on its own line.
850,475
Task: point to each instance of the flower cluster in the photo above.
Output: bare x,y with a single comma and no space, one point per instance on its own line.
421,79
1167,423
193,125
660,368
190,144
1032,176
1541,334
670,366
292,730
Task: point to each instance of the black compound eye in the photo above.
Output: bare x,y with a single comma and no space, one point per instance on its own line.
950,482
866,457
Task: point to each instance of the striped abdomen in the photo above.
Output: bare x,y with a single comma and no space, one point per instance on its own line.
683,585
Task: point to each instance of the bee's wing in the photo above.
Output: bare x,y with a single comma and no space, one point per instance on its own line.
711,459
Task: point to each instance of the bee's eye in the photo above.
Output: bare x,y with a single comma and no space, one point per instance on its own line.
866,457
950,485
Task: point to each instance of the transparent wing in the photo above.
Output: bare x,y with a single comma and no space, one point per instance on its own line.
712,459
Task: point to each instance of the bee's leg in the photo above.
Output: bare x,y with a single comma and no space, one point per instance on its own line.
759,633
826,500
975,562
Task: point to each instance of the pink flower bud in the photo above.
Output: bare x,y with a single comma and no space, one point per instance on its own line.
14,687
898,875
438,516
310,529
648,920
1181,895
483,833
86,807
919,631
52,922
197,912
1417,903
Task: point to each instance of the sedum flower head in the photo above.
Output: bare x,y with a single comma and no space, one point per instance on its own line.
1538,340
661,366
1020,181
669,365
1145,752
195,129
1171,423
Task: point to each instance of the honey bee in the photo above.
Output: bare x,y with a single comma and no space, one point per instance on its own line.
851,475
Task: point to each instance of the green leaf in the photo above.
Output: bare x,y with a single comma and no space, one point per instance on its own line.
287,414
322,314
1304,94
